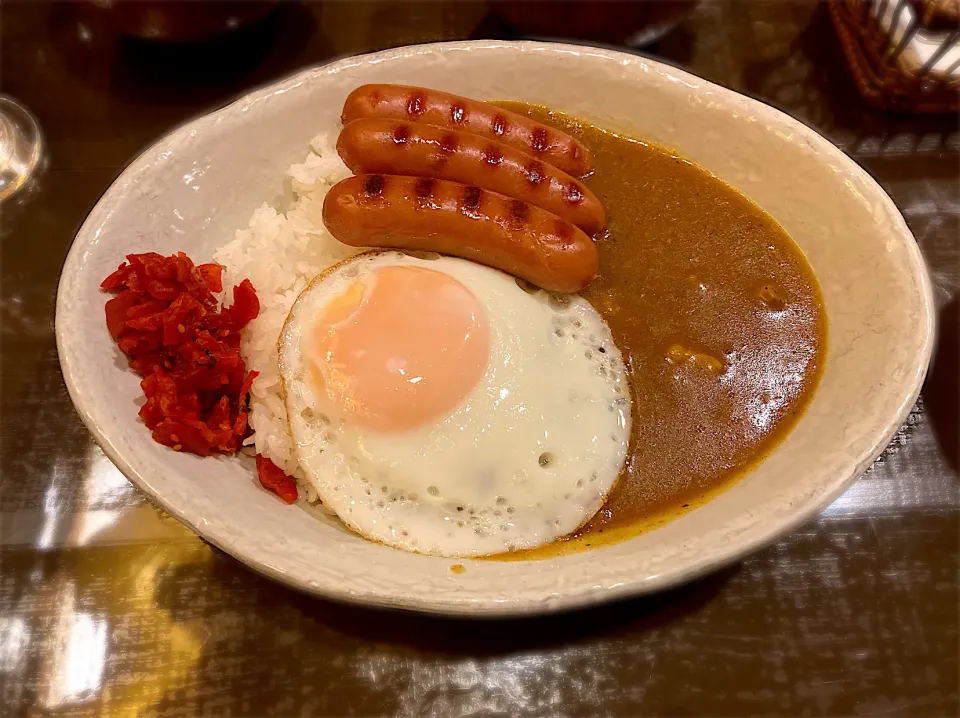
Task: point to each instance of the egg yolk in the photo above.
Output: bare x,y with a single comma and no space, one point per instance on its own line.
399,347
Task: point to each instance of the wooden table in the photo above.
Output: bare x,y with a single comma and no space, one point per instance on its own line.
108,607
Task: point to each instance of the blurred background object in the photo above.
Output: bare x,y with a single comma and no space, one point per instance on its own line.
620,22
904,54
180,20
21,146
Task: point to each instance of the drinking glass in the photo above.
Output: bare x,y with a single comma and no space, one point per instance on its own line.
21,146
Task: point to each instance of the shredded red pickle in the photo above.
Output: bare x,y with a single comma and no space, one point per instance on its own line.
167,321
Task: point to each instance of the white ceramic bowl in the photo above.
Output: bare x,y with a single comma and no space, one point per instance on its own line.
192,189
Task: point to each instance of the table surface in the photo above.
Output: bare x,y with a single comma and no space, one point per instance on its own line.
108,606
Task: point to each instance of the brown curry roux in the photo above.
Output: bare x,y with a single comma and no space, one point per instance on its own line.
719,319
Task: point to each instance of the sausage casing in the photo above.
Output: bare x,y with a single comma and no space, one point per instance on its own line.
424,214
377,145
442,109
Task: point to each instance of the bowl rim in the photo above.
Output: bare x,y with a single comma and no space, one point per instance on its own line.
742,545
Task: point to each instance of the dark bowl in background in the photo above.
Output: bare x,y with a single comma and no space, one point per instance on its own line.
616,22
179,20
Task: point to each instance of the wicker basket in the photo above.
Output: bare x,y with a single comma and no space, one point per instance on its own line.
887,73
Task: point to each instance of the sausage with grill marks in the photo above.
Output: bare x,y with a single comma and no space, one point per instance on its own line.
387,146
424,214
418,104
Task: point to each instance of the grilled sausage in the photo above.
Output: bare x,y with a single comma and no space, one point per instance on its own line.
387,146
442,109
425,214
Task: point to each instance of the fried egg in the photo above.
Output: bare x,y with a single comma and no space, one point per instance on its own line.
442,407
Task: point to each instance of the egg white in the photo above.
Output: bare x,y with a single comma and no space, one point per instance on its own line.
529,456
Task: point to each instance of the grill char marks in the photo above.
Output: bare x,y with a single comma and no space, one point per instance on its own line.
541,140
519,212
472,198
424,187
373,185
535,172
449,143
564,230
401,134
492,155
415,105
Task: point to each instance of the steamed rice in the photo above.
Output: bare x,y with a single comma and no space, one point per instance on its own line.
280,252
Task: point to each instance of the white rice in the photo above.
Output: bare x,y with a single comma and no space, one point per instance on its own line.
280,253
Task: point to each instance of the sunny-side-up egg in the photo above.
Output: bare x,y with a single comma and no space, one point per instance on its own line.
439,407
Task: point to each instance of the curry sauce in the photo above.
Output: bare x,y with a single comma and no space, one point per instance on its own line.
719,319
